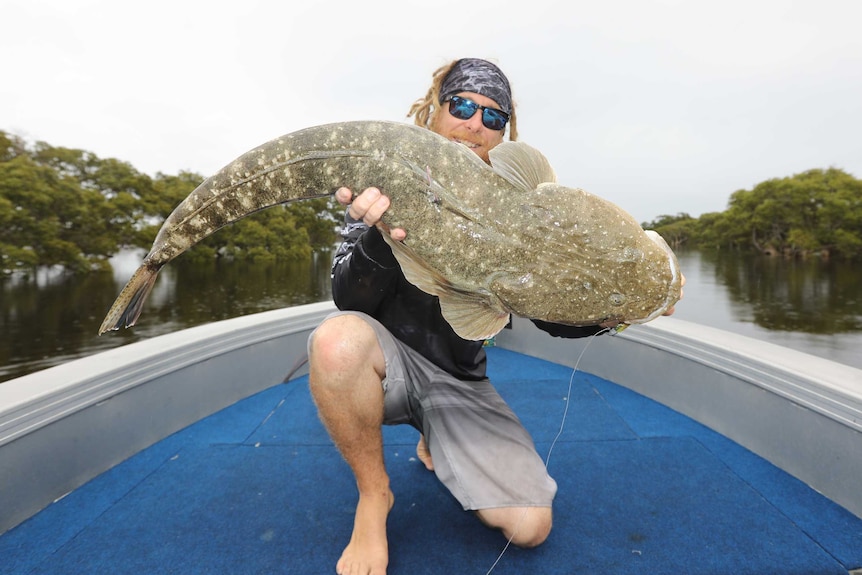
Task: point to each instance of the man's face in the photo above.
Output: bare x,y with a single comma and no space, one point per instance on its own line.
470,132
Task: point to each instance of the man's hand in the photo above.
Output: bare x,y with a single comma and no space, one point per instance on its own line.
369,206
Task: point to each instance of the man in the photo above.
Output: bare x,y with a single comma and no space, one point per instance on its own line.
389,357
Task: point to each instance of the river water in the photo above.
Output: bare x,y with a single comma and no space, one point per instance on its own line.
51,318
812,306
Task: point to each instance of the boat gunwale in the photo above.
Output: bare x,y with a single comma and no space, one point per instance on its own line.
799,412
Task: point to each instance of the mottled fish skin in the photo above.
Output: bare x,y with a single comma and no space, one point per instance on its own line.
488,241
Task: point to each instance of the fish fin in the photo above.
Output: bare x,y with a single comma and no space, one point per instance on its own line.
416,271
523,166
128,305
472,315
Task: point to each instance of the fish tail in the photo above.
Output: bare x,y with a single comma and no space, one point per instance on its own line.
128,305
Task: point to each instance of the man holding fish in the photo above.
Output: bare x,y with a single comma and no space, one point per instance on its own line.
470,230
390,357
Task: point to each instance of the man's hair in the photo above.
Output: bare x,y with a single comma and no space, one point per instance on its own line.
426,109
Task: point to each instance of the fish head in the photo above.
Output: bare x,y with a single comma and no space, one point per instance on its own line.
585,261
674,292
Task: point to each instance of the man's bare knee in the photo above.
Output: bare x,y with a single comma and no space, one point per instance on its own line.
523,526
342,343
534,529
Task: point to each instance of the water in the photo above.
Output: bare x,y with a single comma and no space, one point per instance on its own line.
811,306
54,317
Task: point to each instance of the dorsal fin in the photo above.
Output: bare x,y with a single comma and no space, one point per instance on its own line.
523,166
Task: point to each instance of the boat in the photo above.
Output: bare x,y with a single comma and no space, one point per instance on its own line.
677,448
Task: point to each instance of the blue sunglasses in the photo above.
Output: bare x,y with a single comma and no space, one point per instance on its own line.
464,109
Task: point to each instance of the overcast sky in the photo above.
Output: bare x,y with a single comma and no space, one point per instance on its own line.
659,106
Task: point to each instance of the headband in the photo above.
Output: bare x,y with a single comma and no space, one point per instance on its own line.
480,77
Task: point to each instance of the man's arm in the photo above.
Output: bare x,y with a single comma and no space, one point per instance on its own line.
363,268
568,331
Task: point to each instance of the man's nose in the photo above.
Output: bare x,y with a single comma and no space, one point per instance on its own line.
475,121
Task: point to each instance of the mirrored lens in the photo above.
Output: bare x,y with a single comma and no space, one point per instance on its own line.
494,119
463,109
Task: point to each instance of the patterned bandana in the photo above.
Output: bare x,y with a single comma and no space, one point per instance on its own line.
480,77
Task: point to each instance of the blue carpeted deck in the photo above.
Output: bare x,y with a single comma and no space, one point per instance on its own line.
258,488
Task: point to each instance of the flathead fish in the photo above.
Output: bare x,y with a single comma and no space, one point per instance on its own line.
488,240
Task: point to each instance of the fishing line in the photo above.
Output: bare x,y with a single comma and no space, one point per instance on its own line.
559,433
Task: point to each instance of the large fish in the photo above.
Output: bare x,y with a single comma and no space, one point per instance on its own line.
487,240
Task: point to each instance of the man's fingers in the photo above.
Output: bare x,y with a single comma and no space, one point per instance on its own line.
369,206
376,210
364,206
344,196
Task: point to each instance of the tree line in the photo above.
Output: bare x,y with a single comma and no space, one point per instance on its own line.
814,213
68,207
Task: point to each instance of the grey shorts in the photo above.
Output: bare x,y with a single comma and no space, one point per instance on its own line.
481,451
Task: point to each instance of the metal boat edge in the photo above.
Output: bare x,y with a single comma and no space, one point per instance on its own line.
62,426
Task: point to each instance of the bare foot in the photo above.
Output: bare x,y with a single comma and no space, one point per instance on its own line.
424,454
368,550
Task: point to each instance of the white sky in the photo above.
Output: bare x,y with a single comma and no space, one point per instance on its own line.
661,106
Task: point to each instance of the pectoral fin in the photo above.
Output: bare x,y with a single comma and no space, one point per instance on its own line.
472,315
473,318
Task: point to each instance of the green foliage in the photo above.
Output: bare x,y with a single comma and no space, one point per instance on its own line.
319,218
812,212
61,206
815,212
68,207
45,215
677,231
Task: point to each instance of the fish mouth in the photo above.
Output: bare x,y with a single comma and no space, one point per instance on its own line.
672,296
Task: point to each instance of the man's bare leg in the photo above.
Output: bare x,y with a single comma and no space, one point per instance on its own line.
424,454
346,370
525,526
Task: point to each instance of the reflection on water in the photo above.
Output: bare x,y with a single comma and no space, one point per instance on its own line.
810,296
54,317
812,306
